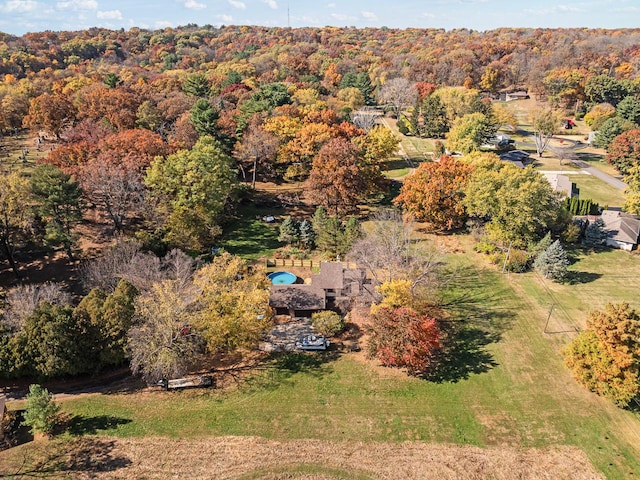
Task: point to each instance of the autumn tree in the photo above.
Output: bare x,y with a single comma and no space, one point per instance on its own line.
435,192
58,204
337,182
233,304
399,93
624,151
21,301
163,344
632,192
257,148
15,215
470,131
518,205
544,124
402,338
605,356
389,252
51,112
196,185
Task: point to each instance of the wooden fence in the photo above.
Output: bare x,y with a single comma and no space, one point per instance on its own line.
292,262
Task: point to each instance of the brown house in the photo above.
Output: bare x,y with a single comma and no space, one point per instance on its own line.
333,288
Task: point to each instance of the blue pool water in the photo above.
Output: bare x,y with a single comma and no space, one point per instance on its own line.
282,278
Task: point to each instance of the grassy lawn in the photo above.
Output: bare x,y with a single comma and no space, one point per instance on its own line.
249,236
503,383
598,190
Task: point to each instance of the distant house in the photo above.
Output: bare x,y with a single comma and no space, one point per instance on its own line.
511,96
331,289
520,158
623,229
562,184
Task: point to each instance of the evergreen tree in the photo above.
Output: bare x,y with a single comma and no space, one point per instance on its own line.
541,246
363,83
595,235
58,205
434,114
553,262
307,234
289,231
41,413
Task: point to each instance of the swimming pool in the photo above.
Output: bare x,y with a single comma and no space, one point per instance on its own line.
282,278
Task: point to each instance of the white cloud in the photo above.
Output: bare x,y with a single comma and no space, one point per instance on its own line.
193,5
370,16
109,15
272,4
555,10
77,5
331,5
225,18
237,4
341,17
159,24
19,6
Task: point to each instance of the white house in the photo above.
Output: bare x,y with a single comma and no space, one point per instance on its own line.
623,229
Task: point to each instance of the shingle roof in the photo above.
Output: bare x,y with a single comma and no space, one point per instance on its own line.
297,297
621,226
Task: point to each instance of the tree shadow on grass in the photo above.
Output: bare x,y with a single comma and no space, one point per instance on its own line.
279,369
78,458
575,278
81,425
478,317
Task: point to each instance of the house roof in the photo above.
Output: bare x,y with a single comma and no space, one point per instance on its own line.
331,276
298,297
622,227
560,183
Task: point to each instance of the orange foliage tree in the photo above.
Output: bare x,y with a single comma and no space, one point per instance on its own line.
434,193
605,357
337,182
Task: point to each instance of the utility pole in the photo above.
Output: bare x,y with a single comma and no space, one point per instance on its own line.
506,258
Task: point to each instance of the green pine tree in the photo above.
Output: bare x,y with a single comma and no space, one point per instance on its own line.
553,262
41,413
289,231
307,234
595,235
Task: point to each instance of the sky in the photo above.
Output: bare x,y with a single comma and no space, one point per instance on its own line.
20,16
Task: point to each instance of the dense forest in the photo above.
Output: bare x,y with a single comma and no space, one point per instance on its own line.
164,134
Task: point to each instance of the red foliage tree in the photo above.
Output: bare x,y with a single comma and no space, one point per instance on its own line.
624,151
402,338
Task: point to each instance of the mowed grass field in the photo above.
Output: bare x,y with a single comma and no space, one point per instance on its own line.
503,388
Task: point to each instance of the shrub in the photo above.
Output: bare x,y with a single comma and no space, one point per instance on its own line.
327,323
41,413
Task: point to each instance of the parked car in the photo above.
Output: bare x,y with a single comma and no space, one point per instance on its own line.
203,381
312,342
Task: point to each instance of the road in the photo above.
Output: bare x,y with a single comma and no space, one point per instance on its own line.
605,177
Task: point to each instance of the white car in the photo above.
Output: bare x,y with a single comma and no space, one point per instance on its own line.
312,342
